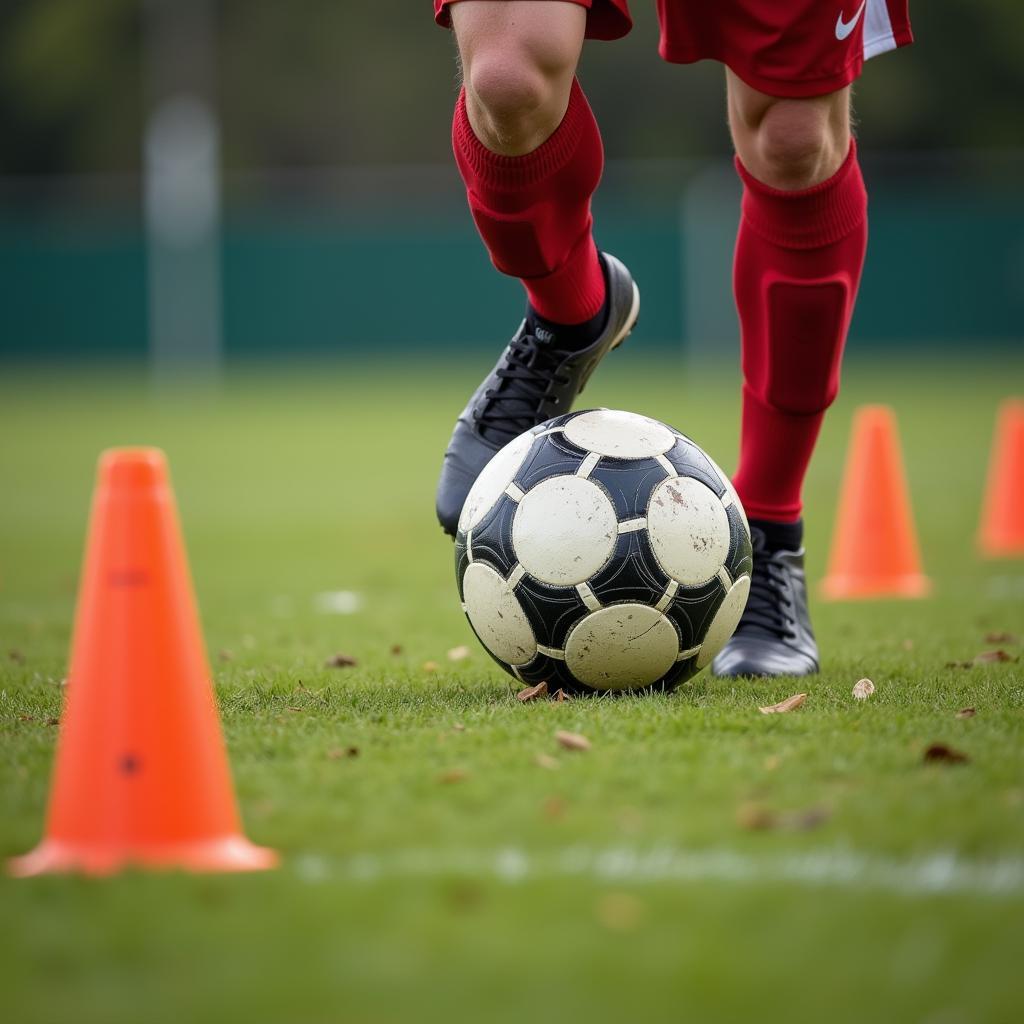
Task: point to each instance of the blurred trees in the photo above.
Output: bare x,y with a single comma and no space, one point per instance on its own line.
328,82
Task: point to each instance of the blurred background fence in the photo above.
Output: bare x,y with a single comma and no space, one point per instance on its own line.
313,140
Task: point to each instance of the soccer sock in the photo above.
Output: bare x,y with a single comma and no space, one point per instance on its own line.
533,211
780,536
798,262
568,337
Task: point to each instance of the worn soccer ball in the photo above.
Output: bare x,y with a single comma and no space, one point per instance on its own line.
603,551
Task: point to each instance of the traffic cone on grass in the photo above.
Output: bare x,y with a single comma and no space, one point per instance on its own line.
1002,519
141,775
874,549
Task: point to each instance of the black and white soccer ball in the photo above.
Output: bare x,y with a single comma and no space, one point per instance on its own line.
603,551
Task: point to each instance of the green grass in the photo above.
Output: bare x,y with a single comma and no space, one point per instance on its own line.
623,885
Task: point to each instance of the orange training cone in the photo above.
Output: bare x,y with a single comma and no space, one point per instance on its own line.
141,773
1002,518
874,549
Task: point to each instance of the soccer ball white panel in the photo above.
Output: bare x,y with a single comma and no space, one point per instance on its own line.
599,551
492,481
689,530
496,616
564,530
729,490
726,619
620,435
621,646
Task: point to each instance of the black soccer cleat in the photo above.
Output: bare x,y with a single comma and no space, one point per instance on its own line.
533,381
774,636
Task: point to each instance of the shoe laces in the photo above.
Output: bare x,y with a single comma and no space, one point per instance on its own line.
523,398
769,608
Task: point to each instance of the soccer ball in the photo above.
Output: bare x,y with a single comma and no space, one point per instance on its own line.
603,551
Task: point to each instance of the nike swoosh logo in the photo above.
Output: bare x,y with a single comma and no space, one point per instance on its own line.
844,28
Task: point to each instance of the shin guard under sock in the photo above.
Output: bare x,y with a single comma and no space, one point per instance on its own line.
533,211
798,263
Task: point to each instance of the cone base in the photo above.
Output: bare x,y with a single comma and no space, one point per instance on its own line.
1002,548
227,853
853,588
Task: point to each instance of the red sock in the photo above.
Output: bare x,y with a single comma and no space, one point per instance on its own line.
533,211
798,261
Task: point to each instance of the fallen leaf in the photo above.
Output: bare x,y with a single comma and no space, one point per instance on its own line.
966,713
397,649
572,740
984,658
1002,638
547,761
554,808
224,654
754,817
771,762
863,689
907,645
53,721
341,661
532,692
16,656
455,775
459,653
458,727
464,895
789,704
619,911
561,696
339,752
941,753
430,666
989,657
804,821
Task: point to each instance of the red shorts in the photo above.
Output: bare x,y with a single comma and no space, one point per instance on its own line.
780,47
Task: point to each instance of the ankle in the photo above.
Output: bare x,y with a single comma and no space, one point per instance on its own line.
780,536
571,337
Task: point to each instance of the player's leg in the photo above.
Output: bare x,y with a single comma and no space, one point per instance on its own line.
530,154
529,149
518,69
799,255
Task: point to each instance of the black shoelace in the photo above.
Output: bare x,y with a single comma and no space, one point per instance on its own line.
769,607
522,400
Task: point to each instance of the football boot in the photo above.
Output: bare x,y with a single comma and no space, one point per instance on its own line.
774,635
533,381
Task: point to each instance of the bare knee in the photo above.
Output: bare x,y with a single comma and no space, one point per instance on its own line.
518,73
789,143
797,146
518,103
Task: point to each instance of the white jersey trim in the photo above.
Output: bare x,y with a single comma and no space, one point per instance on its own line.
878,34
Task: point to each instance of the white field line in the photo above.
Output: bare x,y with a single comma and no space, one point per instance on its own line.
834,868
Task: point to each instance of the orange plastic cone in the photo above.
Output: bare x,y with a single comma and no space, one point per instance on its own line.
1002,519
874,549
141,774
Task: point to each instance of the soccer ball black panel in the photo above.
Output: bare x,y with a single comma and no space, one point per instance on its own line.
603,551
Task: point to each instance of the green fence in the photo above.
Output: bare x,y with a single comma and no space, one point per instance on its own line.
340,274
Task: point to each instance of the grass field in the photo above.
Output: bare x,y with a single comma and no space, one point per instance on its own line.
441,872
